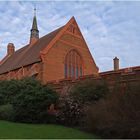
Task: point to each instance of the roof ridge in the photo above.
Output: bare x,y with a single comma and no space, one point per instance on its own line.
27,55
8,56
51,32
21,48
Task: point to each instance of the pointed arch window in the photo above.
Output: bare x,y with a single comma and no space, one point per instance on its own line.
73,67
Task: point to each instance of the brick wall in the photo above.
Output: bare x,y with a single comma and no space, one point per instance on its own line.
53,68
123,76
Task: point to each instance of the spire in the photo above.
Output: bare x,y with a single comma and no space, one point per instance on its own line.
34,25
34,31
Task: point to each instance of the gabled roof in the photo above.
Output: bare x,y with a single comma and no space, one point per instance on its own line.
28,55
32,54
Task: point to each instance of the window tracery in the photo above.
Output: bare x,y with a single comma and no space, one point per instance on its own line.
73,65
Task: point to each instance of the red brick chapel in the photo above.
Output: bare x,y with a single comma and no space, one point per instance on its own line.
61,54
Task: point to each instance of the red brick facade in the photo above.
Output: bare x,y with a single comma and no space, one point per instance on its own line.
61,58
62,54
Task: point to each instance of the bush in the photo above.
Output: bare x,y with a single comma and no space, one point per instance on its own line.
6,112
71,112
8,89
29,98
1,99
117,116
72,108
89,91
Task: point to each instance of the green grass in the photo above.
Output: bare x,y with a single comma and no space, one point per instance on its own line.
37,131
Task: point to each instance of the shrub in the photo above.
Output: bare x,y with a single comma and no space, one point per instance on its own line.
117,116
33,102
89,91
29,98
6,112
72,108
1,99
70,112
8,89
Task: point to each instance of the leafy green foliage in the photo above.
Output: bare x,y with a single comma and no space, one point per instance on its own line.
89,90
6,112
29,98
7,90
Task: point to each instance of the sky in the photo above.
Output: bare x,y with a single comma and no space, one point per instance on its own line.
110,28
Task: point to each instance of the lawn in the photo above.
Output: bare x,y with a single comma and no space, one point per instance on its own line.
37,131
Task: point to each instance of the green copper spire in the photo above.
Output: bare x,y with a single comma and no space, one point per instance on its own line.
34,25
34,30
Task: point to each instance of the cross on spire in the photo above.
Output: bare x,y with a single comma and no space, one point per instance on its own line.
34,10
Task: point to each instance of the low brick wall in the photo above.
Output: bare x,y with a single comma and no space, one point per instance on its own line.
122,76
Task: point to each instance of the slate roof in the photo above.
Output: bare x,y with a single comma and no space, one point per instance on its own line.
28,55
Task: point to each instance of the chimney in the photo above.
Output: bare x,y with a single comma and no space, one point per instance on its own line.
10,49
116,63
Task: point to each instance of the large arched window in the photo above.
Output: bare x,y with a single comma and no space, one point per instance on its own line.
73,67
